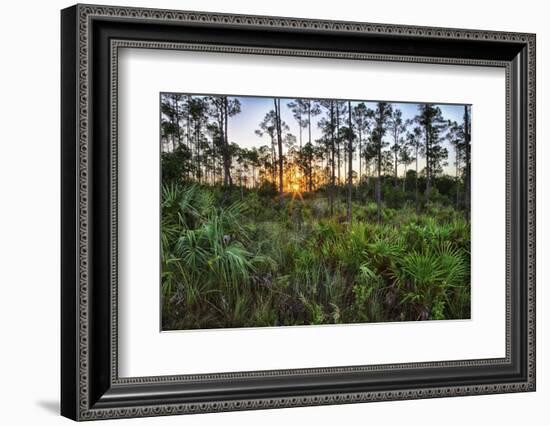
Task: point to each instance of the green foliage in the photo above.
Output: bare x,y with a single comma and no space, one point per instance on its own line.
233,258
175,165
429,279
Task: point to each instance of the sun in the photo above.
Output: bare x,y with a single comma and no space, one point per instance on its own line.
295,187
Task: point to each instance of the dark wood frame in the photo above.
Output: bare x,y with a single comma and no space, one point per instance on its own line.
90,386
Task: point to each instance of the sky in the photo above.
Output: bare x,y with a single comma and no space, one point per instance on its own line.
242,126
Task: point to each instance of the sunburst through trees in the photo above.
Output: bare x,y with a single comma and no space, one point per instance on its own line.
280,211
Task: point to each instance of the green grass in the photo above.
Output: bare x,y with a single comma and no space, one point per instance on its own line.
248,260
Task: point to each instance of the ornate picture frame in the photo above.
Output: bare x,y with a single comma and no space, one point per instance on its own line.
91,37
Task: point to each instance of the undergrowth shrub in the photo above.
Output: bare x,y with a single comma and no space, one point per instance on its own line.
235,258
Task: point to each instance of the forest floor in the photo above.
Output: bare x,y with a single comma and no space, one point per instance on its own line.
250,259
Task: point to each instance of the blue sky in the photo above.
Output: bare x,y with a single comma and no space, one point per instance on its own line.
241,127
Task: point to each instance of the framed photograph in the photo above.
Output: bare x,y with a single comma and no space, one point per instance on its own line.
263,212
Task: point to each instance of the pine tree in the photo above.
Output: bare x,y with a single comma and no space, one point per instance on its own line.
431,121
396,127
382,116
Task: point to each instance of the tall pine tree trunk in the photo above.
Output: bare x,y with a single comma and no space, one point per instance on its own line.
226,157
428,155
367,176
310,147
300,124
378,183
214,162
332,177
197,152
309,120
277,103
360,156
338,140
395,172
467,165
416,177
457,179
350,156
273,162
310,171
188,134
177,112
188,124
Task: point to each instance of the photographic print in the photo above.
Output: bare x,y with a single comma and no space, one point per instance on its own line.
283,211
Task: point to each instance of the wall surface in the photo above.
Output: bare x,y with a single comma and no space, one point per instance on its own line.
29,225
